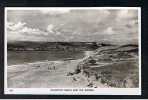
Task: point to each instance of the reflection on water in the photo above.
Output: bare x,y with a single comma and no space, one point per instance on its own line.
20,57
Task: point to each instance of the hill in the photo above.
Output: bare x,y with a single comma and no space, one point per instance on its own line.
114,66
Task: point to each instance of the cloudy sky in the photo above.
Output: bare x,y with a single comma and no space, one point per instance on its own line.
77,25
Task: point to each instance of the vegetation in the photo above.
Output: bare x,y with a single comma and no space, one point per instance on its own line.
118,66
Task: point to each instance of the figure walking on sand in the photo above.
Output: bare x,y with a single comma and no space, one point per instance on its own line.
51,66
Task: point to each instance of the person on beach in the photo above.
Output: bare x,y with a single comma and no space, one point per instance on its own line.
51,66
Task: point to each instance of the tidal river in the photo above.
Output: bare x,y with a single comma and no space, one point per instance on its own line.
20,57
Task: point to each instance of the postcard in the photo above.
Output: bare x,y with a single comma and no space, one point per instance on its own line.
73,50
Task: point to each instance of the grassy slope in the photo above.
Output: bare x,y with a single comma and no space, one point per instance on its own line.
113,66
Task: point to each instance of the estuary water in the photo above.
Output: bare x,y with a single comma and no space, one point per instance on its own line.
20,57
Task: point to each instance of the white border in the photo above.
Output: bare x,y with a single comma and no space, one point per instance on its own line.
97,91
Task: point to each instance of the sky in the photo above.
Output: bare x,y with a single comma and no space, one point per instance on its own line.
73,25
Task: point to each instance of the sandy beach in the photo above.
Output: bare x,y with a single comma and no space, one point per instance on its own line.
47,74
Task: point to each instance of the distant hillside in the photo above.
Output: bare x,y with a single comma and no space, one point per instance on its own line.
54,45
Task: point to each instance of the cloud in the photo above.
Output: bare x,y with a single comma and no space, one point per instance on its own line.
20,31
74,24
58,33
50,28
123,15
109,31
33,31
54,11
13,26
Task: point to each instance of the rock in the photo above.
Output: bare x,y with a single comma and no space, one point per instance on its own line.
74,79
77,71
70,74
90,84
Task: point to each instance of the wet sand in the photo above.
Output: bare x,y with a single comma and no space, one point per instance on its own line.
47,74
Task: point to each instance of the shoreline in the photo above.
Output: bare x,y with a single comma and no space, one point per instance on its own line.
46,74
86,54
32,76
36,62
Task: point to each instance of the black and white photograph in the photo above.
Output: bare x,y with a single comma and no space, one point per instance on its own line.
80,50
